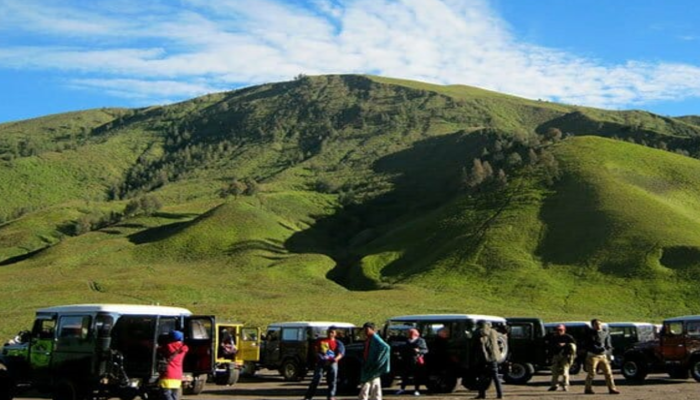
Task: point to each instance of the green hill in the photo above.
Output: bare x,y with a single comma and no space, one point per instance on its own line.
353,197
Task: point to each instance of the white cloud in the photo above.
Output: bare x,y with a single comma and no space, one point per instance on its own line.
164,51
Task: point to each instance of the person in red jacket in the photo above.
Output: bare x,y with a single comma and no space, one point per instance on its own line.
173,352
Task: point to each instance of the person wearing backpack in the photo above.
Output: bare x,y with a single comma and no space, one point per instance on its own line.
488,356
171,355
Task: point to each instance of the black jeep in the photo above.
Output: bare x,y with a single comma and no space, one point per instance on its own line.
450,341
102,351
527,349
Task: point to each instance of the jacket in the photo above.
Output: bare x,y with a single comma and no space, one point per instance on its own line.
377,362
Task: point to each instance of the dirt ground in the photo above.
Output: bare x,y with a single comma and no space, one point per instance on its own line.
270,386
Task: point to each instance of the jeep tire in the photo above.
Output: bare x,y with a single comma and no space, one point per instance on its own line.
519,373
634,368
7,386
694,367
197,385
443,381
291,370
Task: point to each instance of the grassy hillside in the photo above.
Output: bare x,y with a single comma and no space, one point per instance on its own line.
351,197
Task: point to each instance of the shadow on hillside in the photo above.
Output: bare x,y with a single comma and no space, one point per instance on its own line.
165,231
269,246
22,257
575,227
425,176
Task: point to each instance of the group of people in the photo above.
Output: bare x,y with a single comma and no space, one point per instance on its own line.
376,362
563,349
488,355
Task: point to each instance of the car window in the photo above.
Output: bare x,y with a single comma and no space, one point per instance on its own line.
693,328
199,328
273,334
674,328
103,325
44,328
74,327
293,334
520,331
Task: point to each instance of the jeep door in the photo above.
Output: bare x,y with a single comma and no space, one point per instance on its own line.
74,350
270,357
41,346
294,344
199,337
248,344
673,346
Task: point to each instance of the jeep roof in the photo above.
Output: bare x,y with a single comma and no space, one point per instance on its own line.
126,309
442,317
310,324
683,318
615,324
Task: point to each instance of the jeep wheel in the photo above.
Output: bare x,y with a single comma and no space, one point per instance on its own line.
442,382
7,386
695,368
634,369
64,390
291,370
197,385
519,373
249,368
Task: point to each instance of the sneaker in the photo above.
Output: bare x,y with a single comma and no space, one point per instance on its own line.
400,391
552,389
416,393
614,391
565,388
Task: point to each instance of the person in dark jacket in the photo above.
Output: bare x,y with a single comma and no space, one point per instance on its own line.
562,350
598,346
173,352
413,355
488,356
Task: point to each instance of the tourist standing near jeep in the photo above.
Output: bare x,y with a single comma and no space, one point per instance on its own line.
488,354
171,353
328,352
376,358
562,350
413,355
597,346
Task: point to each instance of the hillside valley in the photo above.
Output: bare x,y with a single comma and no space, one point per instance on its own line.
353,198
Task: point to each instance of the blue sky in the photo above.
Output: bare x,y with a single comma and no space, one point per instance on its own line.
65,55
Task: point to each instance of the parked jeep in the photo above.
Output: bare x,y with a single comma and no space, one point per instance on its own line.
288,346
624,335
527,349
676,351
103,350
450,340
235,346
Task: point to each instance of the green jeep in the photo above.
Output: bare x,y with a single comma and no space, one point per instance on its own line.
103,350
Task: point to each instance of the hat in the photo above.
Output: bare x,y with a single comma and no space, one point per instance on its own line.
369,325
177,336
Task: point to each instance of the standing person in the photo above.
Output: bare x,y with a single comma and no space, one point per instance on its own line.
172,353
413,355
488,355
597,346
328,352
376,363
562,350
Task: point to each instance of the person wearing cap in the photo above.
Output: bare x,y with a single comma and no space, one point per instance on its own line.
376,362
328,352
488,355
598,345
562,350
170,378
413,354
